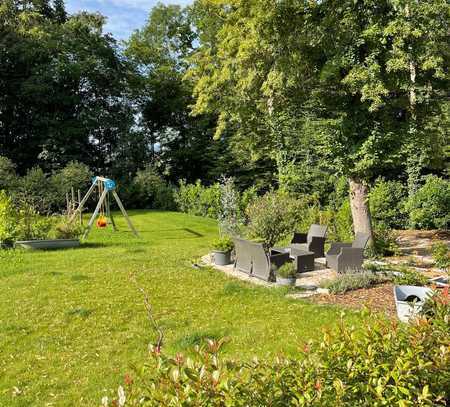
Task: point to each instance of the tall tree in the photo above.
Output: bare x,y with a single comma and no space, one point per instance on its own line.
63,87
339,66
181,144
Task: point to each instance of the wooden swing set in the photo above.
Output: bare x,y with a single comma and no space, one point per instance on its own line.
105,188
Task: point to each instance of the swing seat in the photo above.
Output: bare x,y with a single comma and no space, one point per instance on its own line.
101,222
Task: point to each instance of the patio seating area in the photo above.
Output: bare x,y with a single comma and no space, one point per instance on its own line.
252,261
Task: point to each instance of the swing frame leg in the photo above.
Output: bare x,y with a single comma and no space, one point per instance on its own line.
124,213
94,215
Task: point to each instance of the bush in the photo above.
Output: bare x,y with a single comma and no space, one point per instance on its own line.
353,281
8,219
224,244
385,243
342,225
248,196
429,207
35,190
385,363
199,200
152,191
33,226
229,213
408,276
74,175
386,201
441,255
273,216
67,230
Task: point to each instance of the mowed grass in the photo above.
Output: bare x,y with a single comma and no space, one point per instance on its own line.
72,322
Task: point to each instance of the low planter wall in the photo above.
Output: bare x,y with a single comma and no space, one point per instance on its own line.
48,244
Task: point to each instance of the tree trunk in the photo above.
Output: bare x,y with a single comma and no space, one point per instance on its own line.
359,203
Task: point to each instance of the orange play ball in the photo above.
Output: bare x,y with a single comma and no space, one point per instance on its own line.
101,222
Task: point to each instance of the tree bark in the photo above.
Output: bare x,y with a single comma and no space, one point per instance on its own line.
359,203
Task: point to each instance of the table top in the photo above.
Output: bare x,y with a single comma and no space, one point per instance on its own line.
297,252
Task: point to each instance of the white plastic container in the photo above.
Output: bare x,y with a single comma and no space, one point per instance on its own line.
409,300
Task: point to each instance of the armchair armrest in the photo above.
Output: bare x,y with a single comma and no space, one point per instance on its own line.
300,238
337,246
278,259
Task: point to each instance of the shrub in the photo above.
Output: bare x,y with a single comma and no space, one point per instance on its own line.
441,255
229,213
429,207
343,223
273,216
385,242
287,270
224,244
386,201
74,175
199,200
152,191
67,230
409,276
353,281
31,225
8,219
385,363
35,190
248,196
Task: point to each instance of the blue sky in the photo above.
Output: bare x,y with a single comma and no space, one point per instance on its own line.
124,16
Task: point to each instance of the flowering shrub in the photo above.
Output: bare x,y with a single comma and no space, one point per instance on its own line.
386,364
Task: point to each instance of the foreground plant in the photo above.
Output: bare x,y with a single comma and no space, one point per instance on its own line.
386,364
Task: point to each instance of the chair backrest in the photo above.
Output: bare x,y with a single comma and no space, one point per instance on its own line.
360,240
243,255
317,230
260,262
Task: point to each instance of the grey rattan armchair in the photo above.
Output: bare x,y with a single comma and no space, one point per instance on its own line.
344,257
313,241
251,258
243,258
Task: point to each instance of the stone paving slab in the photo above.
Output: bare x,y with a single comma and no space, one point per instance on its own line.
309,280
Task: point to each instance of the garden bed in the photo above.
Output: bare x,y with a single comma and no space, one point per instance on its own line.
379,298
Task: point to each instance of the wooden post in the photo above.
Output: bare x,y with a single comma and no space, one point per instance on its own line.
83,201
81,211
124,213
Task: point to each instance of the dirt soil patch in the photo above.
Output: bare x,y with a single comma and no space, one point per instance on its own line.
379,299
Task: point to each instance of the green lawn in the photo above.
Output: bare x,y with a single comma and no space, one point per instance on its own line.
72,323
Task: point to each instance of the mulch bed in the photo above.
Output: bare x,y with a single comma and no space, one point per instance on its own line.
379,299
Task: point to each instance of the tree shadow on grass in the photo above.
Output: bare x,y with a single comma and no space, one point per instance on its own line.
161,231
